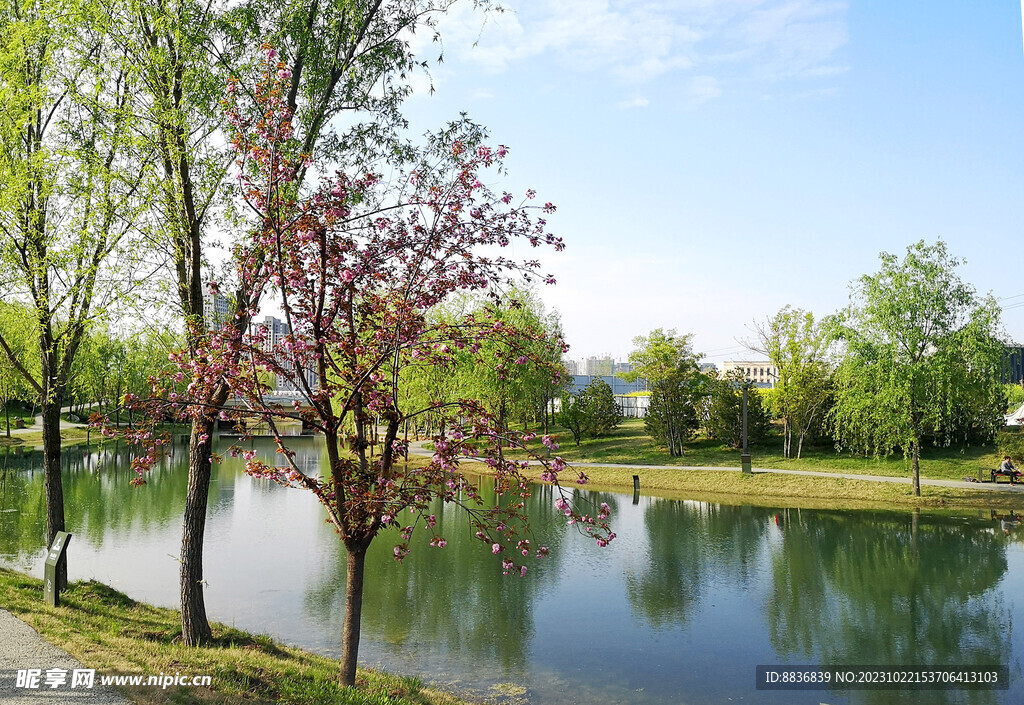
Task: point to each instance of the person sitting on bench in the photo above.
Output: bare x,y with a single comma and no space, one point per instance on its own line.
1009,469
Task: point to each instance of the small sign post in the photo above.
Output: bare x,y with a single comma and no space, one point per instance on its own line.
51,590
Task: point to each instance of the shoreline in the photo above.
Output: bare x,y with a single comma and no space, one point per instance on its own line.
808,489
110,632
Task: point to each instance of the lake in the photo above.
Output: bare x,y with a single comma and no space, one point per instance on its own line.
680,608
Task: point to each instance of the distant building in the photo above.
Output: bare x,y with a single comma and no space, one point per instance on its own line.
622,367
571,367
618,385
600,366
761,372
216,310
707,367
276,330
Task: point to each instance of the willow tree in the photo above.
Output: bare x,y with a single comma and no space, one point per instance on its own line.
348,64
69,194
921,349
16,330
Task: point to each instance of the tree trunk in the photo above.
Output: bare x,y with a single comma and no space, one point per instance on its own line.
52,478
800,444
915,451
353,613
195,627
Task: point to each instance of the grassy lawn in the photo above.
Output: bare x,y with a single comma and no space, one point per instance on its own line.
767,489
108,631
631,445
35,438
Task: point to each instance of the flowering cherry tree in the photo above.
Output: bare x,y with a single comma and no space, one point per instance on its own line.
358,262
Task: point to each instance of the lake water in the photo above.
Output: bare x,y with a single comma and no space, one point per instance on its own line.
680,608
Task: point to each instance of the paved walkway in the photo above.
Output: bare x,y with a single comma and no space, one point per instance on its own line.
37,425
22,648
416,448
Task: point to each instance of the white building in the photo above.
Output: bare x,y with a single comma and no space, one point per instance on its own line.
276,330
761,372
216,310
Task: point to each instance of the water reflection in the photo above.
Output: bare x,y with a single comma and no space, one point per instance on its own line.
876,589
445,600
691,545
681,608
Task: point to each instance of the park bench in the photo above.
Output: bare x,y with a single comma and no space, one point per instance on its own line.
994,474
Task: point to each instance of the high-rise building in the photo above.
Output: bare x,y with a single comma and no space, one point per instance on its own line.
276,330
216,310
600,366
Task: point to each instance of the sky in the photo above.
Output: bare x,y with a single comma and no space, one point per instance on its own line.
715,160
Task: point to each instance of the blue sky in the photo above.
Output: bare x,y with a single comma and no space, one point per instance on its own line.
714,160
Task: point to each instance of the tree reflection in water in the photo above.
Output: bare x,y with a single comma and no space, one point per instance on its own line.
895,590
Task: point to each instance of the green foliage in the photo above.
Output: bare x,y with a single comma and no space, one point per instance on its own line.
17,329
1011,442
515,383
725,411
591,413
1014,396
797,346
602,411
109,366
922,358
672,414
667,361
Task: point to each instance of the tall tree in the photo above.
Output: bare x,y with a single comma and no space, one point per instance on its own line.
590,413
920,347
339,57
359,264
667,361
797,346
68,193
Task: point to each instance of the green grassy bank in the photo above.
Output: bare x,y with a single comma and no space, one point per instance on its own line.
34,439
108,631
630,444
767,489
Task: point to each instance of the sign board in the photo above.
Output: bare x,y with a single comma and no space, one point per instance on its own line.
57,550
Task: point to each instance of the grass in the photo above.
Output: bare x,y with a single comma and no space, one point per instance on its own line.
108,631
769,489
630,444
34,439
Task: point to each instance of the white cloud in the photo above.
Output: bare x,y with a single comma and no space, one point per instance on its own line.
639,41
637,102
701,89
